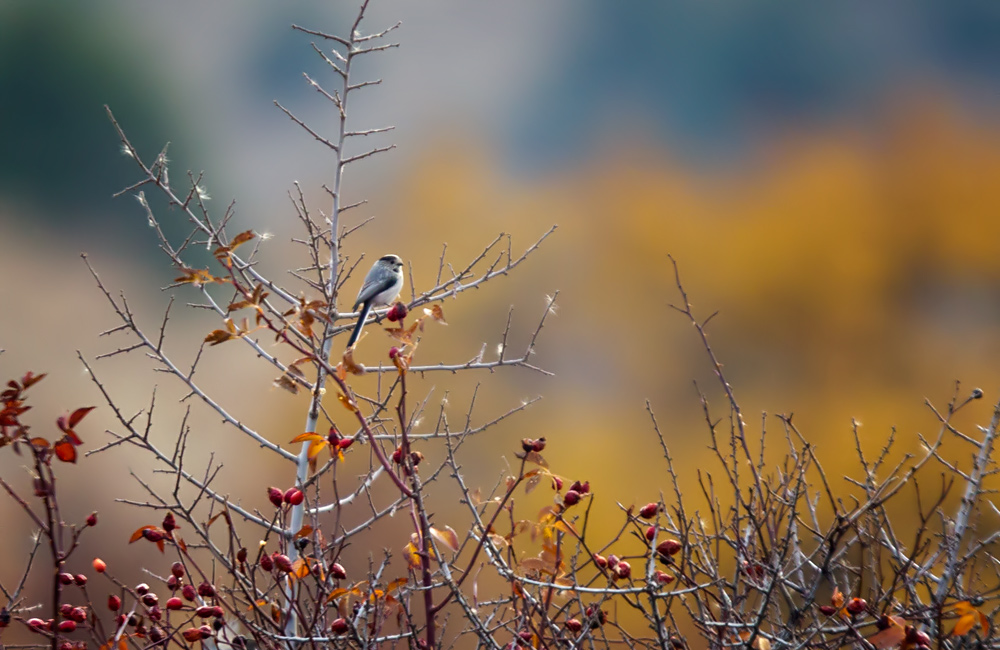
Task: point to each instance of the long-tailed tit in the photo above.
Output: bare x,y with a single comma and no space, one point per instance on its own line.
382,285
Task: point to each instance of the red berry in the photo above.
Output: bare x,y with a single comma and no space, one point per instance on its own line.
173,584
396,313
155,613
156,634
206,590
339,626
649,510
557,483
66,578
99,565
153,535
67,626
191,634
856,605
397,455
65,609
188,592
36,623
582,488
600,560
177,569
77,614
204,611
827,610
294,496
241,555
92,519
337,571
663,578
150,599
114,603
266,562
174,603
276,496
571,498
206,632
344,443
283,562
612,561
393,352
651,533
142,589
668,547
573,625
79,580
169,522
623,570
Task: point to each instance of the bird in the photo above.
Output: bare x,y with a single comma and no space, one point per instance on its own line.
382,284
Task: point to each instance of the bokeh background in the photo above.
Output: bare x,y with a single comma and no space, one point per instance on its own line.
825,175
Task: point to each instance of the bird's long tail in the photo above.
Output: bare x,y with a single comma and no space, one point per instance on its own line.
361,324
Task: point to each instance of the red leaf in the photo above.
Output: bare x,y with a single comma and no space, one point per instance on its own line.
65,450
78,415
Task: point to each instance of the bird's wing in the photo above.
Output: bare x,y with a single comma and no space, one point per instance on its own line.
373,287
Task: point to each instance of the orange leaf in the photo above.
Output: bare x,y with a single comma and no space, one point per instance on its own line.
412,555
31,378
564,526
65,451
218,336
964,625
447,537
241,239
837,599
305,531
300,568
41,443
137,535
311,436
348,404
349,365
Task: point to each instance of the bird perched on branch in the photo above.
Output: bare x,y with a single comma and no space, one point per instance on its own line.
382,284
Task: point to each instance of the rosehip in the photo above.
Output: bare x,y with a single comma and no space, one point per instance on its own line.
177,569
67,626
623,570
206,590
188,592
571,498
156,634
153,535
276,496
397,455
92,519
294,496
337,571
99,565
173,584
150,599
155,613
856,605
78,614
663,577
282,562
339,626
36,623
649,510
612,561
241,555
266,562
396,313
393,352
668,547
79,580
114,603
175,603
651,533
191,634
206,631
204,611
827,610
66,578
142,589
169,522
573,625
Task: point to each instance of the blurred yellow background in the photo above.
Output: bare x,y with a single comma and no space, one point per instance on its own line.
825,179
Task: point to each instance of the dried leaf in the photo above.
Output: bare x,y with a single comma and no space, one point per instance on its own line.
436,313
564,526
349,365
305,531
412,555
532,483
286,383
446,537
241,239
218,336
964,625
837,599
891,636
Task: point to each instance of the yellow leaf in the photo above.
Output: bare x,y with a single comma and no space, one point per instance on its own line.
311,436
412,555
